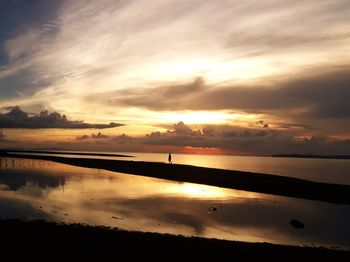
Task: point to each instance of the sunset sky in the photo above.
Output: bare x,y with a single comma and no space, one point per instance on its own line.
190,76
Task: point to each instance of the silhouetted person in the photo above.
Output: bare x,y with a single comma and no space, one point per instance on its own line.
169,159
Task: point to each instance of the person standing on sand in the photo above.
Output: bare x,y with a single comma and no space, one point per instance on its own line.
169,159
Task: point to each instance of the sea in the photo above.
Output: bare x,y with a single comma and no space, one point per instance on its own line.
38,189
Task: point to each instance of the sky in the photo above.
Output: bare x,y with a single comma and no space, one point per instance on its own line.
186,76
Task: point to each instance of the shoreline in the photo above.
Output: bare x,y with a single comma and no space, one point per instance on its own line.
338,157
240,180
62,153
86,239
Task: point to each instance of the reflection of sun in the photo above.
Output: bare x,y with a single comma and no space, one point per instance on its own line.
204,191
197,191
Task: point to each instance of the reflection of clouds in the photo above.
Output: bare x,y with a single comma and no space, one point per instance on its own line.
189,220
147,204
194,213
237,218
16,179
16,208
18,173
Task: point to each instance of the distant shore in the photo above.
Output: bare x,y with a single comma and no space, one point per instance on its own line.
67,239
255,182
313,156
62,153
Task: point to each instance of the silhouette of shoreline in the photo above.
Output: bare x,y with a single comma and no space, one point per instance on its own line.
68,239
62,153
313,156
256,182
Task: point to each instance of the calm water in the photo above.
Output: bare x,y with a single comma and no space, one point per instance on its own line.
31,189
320,170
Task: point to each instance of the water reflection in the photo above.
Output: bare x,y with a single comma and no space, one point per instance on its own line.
98,197
18,208
11,174
319,170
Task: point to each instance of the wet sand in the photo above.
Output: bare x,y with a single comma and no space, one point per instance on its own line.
65,240
255,182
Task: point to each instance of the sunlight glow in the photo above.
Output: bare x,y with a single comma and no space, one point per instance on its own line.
204,191
182,68
201,117
198,191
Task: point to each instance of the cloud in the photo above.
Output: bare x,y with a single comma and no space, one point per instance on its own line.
125,139
165,97
18,16
16,118
235,139
278,59
314,94
99,135
286,125
208,139
51,47
182,129
82,137
272,42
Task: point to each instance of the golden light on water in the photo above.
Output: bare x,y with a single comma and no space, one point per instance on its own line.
203,191
196,191
72,194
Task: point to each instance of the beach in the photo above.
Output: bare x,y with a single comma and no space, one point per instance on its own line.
82,240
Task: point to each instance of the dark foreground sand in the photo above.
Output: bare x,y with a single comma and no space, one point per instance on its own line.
32,239
256,182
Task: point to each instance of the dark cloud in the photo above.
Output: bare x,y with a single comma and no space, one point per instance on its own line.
260,140
99,135
18,16
82,137
124,139
182,129
313,94
93,136
22,83
286,125
160,98
262,124
16,118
